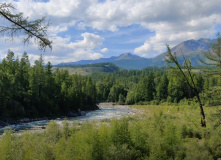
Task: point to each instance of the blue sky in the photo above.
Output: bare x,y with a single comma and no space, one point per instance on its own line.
92,29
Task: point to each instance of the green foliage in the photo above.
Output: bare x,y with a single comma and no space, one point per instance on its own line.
35,91
6,149
213,55
162,88
119,132
108,67
53,132
117,93
146,89
160,132
147,86
89,69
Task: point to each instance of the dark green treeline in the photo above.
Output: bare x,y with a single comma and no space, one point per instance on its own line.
34,91
154,86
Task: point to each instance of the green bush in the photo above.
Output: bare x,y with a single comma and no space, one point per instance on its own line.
163,132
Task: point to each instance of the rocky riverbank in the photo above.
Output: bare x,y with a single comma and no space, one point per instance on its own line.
116,106
28,120
106,111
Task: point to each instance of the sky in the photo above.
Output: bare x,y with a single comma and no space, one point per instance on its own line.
93,29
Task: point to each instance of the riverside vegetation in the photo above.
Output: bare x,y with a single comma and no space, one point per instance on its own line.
36,91
168,130
161,132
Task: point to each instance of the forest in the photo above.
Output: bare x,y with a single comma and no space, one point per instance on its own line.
167,126
170,102
35,91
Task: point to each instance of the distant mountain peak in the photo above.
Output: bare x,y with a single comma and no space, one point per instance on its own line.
128,56
190,48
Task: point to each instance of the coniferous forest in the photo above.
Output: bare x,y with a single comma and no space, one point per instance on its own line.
172,113
35,91
167,125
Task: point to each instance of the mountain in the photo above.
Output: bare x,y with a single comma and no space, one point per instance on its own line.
127,56
190,48
125,61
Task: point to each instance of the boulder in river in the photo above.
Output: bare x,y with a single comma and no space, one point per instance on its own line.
83,113
71,114
25,120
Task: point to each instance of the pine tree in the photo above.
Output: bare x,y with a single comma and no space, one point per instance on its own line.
162,88
146,89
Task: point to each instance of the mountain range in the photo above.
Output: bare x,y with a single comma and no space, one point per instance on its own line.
191,48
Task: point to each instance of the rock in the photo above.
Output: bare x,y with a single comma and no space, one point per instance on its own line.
25,120
78,113
71,114
83,113
2,123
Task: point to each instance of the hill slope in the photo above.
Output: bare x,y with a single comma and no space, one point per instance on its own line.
87,69
191,48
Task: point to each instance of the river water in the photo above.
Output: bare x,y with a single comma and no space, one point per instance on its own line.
106,111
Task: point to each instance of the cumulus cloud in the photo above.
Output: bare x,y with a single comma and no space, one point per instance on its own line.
81,26
63,49
110,15
104,50
143,50
172,22
67,51
90,41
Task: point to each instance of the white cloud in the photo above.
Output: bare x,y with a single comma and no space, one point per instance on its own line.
67,51
81,26
90,41
110,15
172,22
104,50
143,50
63,49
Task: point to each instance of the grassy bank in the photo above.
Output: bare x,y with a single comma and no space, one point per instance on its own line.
159,132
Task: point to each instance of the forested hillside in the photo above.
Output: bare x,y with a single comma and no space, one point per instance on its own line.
159,103
88,69
34,91
153,85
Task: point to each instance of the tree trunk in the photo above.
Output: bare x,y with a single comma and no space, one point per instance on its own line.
203,118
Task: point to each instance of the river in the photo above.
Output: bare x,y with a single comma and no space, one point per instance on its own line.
106,111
